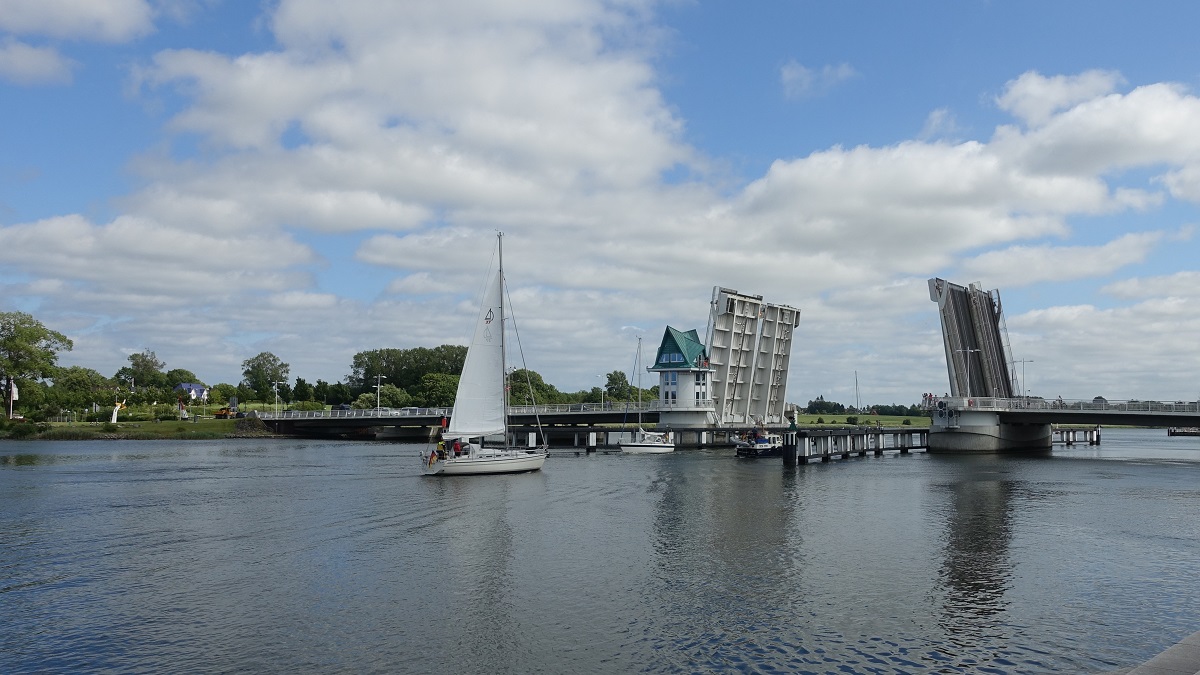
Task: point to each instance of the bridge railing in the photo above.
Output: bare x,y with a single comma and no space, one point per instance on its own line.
1037,403
373,413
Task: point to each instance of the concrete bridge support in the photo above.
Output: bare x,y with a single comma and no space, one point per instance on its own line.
982,431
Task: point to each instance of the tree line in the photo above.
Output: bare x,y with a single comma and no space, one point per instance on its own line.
819,406
392,378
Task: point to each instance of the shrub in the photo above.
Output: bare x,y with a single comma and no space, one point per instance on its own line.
907,422
820,420
853,419
24,430
109,428
308,405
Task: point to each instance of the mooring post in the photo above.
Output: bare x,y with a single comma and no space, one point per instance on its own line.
789,449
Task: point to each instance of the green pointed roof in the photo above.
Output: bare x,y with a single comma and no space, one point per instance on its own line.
680,350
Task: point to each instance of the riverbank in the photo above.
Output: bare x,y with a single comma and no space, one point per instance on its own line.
194,429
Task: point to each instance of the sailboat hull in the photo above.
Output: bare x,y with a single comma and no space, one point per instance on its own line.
501,462
647,448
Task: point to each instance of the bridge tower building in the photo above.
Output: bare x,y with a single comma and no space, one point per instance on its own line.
982,380
749,346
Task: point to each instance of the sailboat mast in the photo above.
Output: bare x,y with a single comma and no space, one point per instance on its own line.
637,365
503,329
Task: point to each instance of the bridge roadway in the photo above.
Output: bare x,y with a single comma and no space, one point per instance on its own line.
352,422
1096,411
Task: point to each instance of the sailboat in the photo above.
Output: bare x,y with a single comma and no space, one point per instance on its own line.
645,442
480,404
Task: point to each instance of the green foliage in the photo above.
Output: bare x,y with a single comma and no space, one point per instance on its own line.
404,368
391,396
177,376
339,392
436,390
527,387
907,422
820,420
617,387
26,430
77,388
364,401
261,374
219,394
109,428
28,352
308,405
147,370
853,419
302,391
822,407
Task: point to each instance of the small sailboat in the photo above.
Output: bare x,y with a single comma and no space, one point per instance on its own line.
480,404
645,442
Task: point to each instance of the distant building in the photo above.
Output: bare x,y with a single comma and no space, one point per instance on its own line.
683,380
194,391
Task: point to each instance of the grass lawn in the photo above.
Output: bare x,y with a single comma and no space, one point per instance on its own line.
200,428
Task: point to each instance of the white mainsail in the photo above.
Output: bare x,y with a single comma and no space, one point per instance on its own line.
479,402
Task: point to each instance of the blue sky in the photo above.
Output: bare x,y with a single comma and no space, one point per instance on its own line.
210,179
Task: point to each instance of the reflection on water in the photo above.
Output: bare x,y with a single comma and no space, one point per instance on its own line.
976,570
286,556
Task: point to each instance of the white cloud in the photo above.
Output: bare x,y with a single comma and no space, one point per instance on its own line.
800,81
1024,265
1034,98
24,64
96,20
1184,284
940,123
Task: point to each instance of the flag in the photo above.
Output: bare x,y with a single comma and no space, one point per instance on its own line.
13,384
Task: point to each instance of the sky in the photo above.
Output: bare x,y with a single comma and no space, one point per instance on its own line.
212,179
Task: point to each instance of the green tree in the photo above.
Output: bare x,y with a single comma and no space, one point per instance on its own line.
391,396
320,391
146,369
177,376
78,388
404,367
617,387
526,387
28,350
220,394
302,391
339,392
437,390
261,374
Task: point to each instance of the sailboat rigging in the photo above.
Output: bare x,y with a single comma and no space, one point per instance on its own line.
481,403
645,442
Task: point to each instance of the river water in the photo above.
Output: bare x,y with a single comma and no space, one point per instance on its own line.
309,556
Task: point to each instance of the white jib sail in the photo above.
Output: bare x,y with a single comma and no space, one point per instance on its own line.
479,402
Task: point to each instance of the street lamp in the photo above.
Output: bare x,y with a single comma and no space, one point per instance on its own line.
968,359
1025,389
601,378
277,397
378,378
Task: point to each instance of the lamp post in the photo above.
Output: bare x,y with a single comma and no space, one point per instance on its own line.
1024,389
277,398
968,360
601,378
378,384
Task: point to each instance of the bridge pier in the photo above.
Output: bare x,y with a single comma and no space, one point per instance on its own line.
981,431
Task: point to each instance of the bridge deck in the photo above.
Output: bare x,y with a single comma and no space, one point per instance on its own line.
1058,411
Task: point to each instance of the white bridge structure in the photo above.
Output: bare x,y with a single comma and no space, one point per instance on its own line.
985,411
